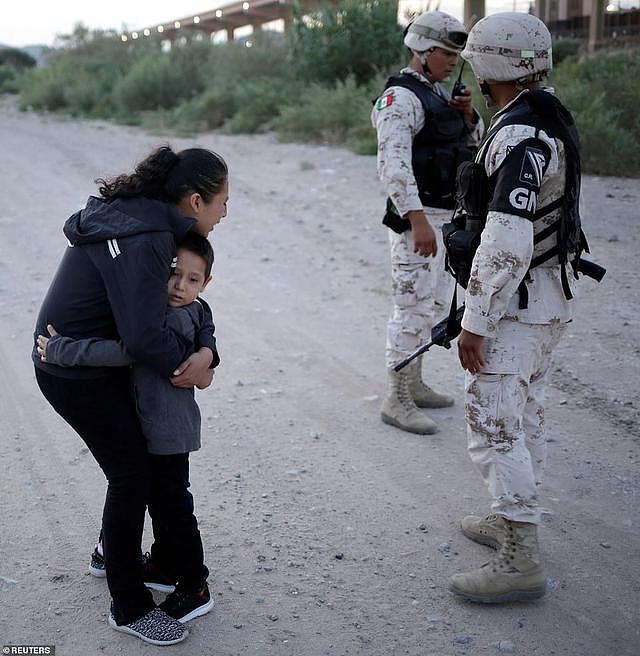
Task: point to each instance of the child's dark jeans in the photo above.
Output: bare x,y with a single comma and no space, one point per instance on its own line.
177,547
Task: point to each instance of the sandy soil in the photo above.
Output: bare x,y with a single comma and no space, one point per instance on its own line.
326,531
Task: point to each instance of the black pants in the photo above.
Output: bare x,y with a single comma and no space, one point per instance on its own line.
177,547
102,412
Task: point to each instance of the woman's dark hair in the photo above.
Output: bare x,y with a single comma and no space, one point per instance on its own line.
169,177
201,246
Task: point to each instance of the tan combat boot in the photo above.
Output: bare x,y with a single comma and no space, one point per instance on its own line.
490,530
399,410
514,574
423,396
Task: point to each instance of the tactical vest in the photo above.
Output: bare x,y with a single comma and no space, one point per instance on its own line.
436,152
557,229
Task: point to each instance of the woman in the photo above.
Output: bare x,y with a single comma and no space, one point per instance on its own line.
112,283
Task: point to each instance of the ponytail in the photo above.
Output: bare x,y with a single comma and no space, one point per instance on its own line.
168,176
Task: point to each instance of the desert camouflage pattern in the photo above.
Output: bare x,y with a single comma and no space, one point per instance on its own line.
504,405
420,286
504,411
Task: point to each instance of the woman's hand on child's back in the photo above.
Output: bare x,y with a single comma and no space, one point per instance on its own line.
42,341
195,371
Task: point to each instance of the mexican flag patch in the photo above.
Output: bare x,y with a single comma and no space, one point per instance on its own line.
385,101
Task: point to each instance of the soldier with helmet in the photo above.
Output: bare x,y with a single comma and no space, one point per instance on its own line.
523,191
423,135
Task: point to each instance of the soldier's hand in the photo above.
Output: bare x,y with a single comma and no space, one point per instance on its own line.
424,238
470,351
463,104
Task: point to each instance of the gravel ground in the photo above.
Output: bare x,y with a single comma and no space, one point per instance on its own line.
326,531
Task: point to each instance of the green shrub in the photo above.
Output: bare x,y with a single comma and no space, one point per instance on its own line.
336,114
205,112
564,48
356,39
17,59
79,78
259,104
603,94
234,63
162,80
84,95
44,88
8,79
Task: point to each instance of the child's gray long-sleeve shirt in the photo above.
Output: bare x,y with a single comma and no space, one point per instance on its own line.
169,416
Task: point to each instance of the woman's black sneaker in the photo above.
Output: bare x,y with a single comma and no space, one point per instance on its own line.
96,568
156,627
153,577
184,606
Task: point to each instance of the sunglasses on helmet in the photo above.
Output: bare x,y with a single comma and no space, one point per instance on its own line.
453,39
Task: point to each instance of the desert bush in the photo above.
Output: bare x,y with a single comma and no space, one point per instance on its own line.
234,63
603,93
161,80
258,103
207,111
13,62
329,114
44,88
8,79
564,48
17,59
79,78
356,40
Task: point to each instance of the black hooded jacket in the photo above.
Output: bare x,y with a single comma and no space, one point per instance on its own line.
112,284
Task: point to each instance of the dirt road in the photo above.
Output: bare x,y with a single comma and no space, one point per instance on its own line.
326,531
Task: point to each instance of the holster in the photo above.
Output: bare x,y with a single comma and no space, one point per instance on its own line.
460,245
393,220
462,234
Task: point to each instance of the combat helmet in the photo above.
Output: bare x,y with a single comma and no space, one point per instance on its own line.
435,29
509,47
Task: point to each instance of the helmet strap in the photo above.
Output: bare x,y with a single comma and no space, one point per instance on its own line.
485,90
424,62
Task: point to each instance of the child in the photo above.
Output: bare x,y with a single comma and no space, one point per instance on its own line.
170,420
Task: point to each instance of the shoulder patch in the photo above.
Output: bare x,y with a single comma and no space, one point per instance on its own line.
533,165
385,101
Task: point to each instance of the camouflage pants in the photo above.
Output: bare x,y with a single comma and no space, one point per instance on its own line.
504,410
420,288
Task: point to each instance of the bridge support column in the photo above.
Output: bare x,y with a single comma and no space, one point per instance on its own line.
541,9
596,24
473,11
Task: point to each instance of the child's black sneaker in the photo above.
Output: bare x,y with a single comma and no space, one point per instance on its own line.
154,577
184,606
156,627
96,567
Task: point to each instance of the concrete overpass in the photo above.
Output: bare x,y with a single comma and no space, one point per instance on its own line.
230,17
256,13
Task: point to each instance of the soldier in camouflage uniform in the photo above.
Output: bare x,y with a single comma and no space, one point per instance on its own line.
517,304
422,136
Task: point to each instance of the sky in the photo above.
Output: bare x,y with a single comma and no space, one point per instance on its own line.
38,22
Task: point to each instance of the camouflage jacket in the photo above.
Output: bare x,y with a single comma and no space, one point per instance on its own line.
397,120
507,245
